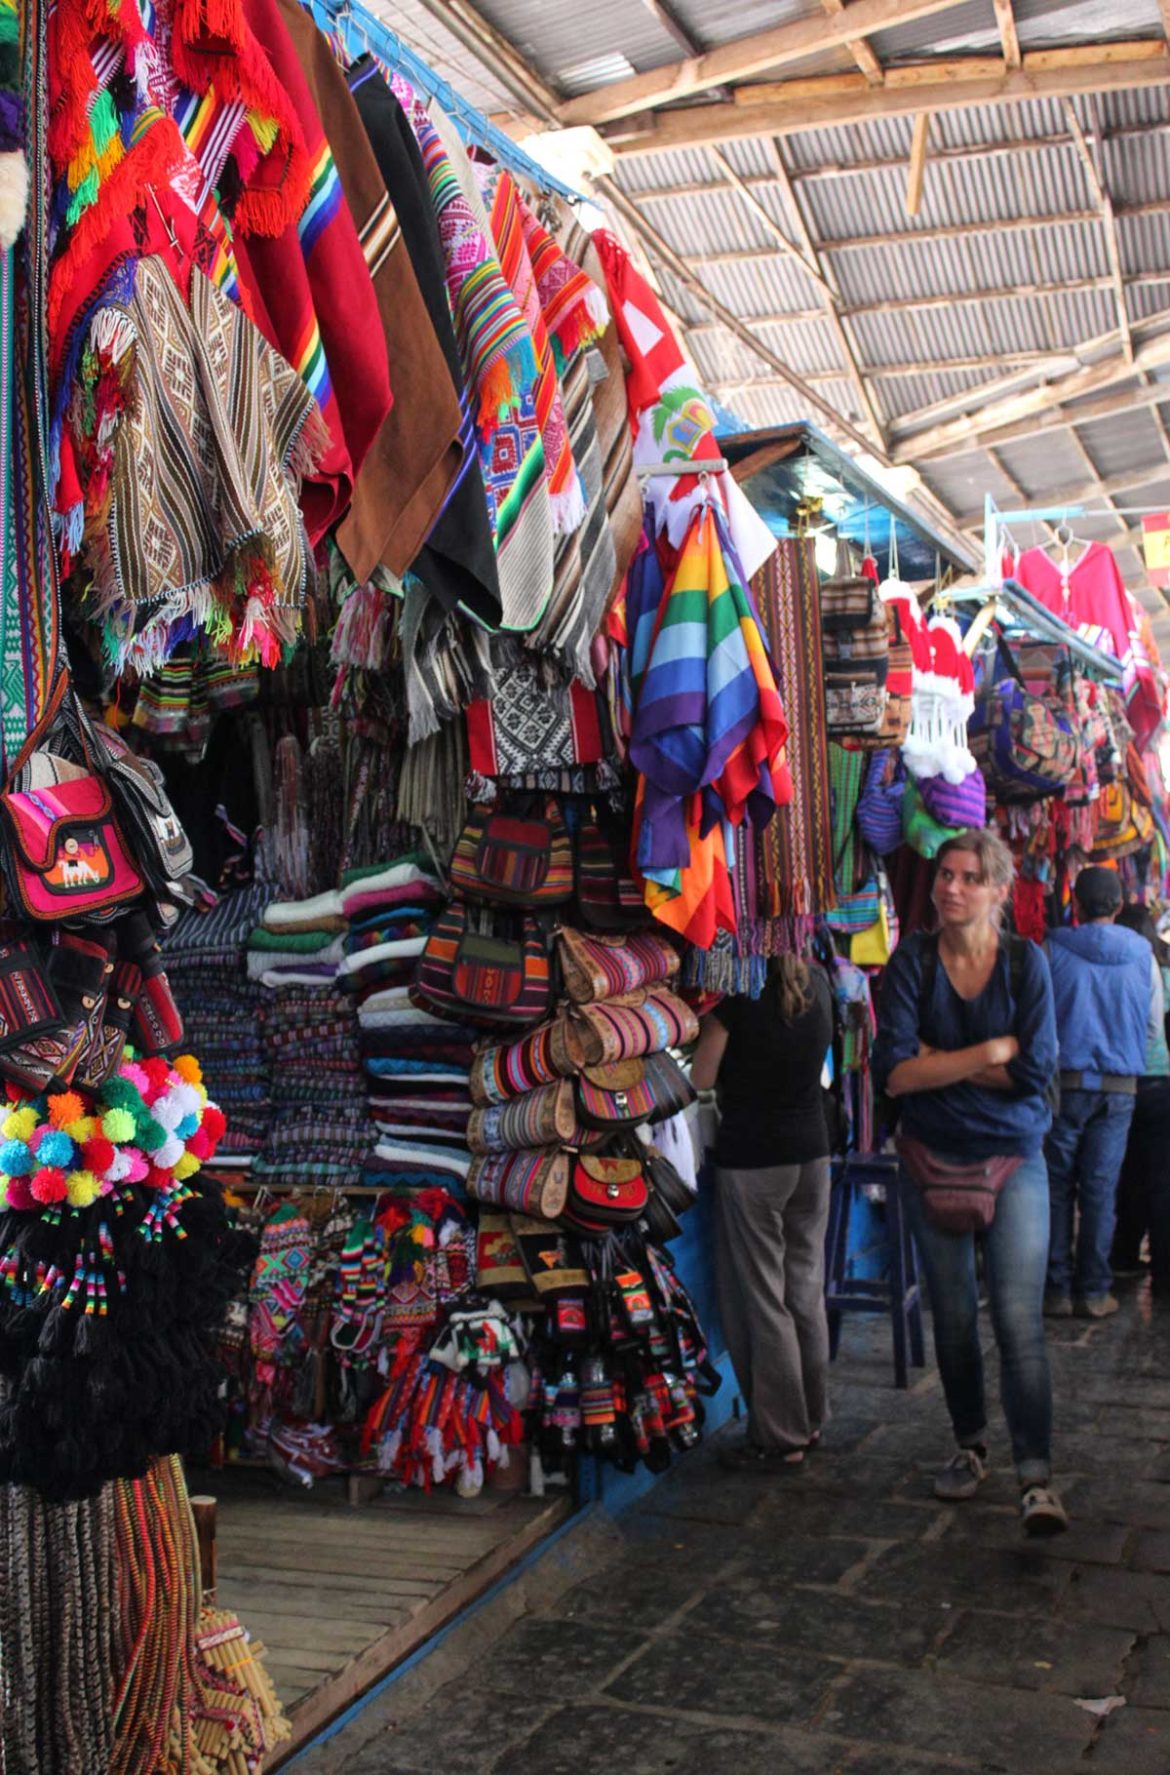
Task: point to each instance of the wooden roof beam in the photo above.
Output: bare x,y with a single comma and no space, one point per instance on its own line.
955,434
916,172
859,49
1059,416
1005,21
1096,177
784,107
1074,492
971,298
745,57
949,231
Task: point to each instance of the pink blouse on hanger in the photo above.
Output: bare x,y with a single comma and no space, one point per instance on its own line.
1091,595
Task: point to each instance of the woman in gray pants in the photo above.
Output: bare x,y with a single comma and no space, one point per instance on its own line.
772,1203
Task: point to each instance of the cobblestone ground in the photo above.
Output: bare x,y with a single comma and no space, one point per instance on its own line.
836,1620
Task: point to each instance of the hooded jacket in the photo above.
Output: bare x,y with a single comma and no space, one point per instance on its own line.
1101,985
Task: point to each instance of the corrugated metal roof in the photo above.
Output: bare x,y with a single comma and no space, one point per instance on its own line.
861,191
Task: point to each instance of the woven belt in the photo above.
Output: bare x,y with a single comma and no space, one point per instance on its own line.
1122,1082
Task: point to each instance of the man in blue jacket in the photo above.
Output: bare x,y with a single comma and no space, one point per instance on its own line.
1105,983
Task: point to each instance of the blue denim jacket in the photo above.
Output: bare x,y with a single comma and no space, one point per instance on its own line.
968,1118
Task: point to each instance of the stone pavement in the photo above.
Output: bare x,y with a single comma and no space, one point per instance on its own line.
833,1620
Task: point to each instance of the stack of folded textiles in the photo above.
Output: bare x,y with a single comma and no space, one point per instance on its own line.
417,1067
222,1014
319,1133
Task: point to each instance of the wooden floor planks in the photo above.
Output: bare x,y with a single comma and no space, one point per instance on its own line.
340,1595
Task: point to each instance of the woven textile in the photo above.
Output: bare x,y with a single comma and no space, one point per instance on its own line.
416,456
575,310
505,212
527,727
316,302
457,562
496,345
708,720
204,497
795,852
512,454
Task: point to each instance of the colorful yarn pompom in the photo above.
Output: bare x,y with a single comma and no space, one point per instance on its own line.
55,1149
81,1130
20,1124
189,1068
158,1078
64,1108
147,1133
16,1158
119,1093
97,1154
118,1126
187,1166
214,1122
82,1188
17,1194
48,1185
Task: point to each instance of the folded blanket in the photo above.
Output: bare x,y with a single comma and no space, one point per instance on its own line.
321,913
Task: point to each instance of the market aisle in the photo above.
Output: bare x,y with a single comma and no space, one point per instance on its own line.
836,1621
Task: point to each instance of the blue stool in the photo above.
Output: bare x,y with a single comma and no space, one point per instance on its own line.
899,1295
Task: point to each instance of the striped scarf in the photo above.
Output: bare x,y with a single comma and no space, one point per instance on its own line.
498,358
575,310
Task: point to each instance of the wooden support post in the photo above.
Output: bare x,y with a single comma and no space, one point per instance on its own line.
919,142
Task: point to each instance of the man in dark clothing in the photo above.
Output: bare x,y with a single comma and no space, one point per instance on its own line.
1105,985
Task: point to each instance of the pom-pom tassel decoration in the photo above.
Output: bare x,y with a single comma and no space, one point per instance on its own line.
118,1260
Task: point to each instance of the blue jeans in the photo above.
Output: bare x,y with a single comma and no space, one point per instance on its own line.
1015,1250
1085,1148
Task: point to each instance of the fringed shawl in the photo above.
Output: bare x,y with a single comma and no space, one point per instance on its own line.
314,299
202,529
575,310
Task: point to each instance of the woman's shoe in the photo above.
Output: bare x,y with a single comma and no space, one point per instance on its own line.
745,1457
1042,1512
961,1478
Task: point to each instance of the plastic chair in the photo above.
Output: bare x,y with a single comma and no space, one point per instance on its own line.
899,1292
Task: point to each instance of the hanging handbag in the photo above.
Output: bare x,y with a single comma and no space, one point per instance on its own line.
534,1182
501,1072
923,832
879,806
160,846
28,1003
604,1192
544,1117
510,860
855,644
622,1093
629,1028
552,1257
64,853
608,899
77,969
475,969
499,1267
112,1031
609,967
956,804
1027,745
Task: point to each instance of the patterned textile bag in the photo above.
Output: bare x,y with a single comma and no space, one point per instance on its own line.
529,1182
628,1028
1026,745
65,856
499,1267
544,1117
607,898
610,967
626,1092
473,971
955,804
507,1071
855,638
879,808
552,1257
510,860
605,1192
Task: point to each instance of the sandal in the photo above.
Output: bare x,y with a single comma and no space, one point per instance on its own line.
1042,1512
